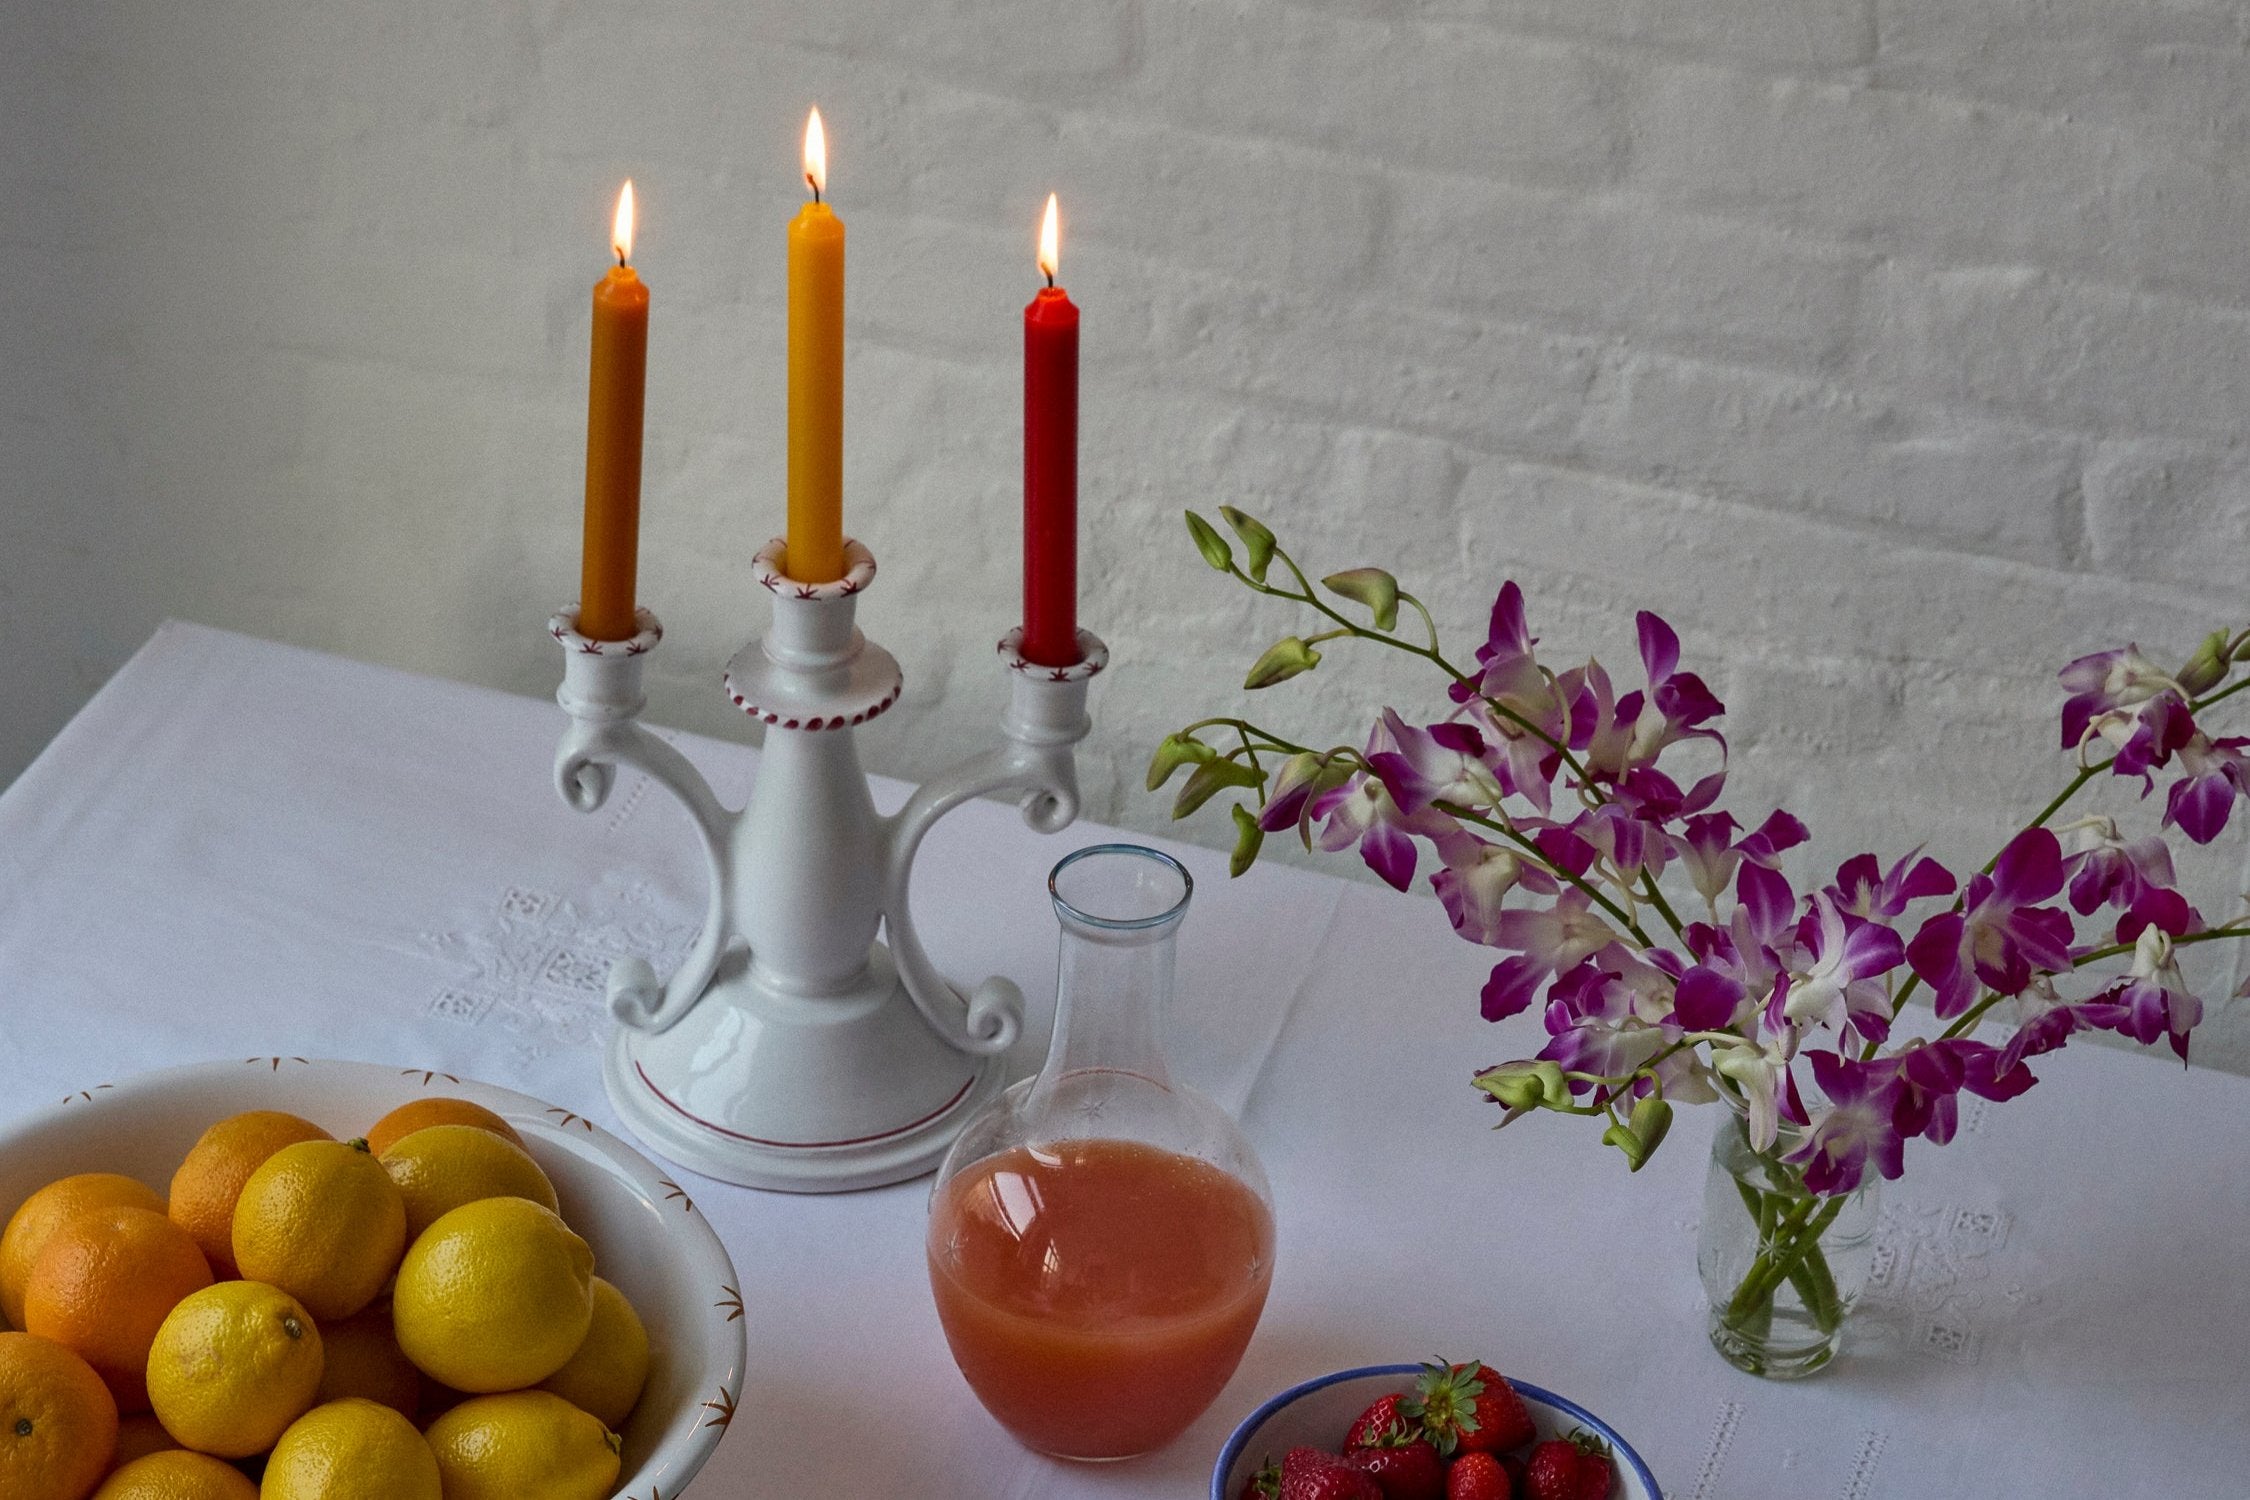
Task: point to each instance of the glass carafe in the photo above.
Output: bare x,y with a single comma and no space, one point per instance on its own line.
1101,1238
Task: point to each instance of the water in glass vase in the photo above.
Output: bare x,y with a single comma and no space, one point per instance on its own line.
1101,1239
1098,1293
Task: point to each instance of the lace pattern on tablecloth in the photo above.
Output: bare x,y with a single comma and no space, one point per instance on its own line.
538,967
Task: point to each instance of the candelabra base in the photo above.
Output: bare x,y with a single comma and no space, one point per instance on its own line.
770,1090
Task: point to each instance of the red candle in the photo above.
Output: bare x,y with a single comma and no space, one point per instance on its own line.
1050,464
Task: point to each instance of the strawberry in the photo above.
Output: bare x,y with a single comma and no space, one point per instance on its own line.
1311,1474
1263,1485
1573,1468
1477,1476
1380,1423
1468,1407
1502,1422
1407,1467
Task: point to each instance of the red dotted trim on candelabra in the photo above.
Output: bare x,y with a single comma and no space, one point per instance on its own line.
783,719
859,572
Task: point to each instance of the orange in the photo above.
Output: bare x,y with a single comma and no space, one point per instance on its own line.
140,1435
58,1424
209,1182
178,1475
50,1207
104,1284
324,1222
363,1360
423,1113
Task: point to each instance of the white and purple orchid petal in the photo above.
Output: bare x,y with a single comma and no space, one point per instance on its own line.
1939,954
2199,806
1511,987
1660,646
1765,898
1706,1000
1474,886
2167,912
1389,851
2038,937
1779,833
1506,634
2029,869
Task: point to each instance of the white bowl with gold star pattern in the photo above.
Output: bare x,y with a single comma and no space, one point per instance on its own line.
648,1238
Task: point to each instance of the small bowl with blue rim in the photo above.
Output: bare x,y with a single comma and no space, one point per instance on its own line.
1318,1412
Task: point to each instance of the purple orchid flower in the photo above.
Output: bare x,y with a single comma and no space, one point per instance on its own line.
2001,936
1865,890
2148,737
1442,763
2109,869
1858,1128
1842,987
1546,943
1476,880
2103,684
2217,774
2152,1001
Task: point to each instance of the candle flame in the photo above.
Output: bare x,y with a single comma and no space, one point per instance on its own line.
816,155
1050,242
621,230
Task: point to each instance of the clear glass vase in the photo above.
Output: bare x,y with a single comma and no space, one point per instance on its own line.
1101,1238
1783,1268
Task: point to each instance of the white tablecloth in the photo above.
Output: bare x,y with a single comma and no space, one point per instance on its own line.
240,848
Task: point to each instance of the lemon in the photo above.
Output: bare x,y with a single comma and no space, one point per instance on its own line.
177,1476
351,1450
232,1367
529,1445
322,1221
444,1166
604,1378
495,1296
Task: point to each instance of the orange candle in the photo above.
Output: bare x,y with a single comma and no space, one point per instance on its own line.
816,377
615,390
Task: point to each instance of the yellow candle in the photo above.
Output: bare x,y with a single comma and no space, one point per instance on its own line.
614,391
816,377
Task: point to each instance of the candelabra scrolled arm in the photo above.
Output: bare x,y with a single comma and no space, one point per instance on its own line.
601,692
1046,719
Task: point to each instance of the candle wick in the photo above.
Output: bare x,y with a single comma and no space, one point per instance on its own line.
620,256
1050,281
813,183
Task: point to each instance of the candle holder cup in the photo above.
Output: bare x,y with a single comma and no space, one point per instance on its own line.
807,1042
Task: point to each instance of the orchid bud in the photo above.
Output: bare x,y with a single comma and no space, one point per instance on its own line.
1622,1137
1284,659
1208,542
1652,1119
1173,752
1211,778
1526,1084
1256,540
2207,668
1372,587
1248,837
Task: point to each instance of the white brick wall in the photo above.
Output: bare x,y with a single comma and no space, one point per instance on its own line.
1896,349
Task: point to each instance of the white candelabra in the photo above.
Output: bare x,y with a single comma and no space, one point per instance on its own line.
792,1049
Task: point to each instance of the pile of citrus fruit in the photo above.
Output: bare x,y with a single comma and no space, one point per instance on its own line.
404,1317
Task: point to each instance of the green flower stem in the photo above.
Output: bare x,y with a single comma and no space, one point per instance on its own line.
1791,1252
